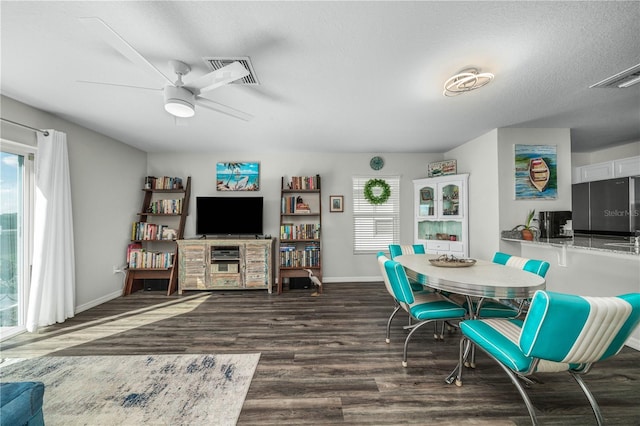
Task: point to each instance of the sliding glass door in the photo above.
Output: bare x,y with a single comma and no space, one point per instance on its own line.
16,201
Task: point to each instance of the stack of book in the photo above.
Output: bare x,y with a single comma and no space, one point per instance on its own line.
139,258
164,182
305,182
290,257
305,231
165,207
147,231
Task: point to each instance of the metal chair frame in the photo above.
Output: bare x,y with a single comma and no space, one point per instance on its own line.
405,299
578,359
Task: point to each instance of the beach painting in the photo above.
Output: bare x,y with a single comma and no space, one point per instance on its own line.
238,176
536,172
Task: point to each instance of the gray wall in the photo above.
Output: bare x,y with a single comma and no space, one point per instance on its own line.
106,177
630,149
339,262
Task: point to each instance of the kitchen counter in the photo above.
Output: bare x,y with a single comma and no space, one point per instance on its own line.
585,265
618,245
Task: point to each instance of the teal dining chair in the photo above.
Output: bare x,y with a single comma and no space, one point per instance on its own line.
398,250
418,289
423,308
561,332
507,309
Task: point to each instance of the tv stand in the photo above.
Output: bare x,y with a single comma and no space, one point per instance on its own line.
225,263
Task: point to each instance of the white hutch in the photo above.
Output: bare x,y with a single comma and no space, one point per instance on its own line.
441,221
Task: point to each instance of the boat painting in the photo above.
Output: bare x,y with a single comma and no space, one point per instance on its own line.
536,173
539,173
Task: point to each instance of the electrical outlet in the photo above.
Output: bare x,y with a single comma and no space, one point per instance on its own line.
119,269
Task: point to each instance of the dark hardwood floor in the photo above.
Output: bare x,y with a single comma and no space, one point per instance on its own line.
324,359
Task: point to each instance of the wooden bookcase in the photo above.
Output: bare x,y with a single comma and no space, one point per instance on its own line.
165,206
225,264
300,228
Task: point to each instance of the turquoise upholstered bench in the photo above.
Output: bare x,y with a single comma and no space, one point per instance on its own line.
21,403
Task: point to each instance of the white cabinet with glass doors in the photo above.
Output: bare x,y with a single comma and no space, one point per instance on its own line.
441,221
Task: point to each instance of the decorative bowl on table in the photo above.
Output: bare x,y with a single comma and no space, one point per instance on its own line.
447,261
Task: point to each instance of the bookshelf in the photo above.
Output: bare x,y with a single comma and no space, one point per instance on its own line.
300,240
152,253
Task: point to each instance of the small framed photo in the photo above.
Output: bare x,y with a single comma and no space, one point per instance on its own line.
336,203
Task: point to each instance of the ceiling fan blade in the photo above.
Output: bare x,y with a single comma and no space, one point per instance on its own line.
119,85
99,27
215,106
217,78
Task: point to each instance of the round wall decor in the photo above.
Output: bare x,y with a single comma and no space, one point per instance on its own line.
377,191
376,163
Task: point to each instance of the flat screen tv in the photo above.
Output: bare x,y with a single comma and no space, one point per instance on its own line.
229,215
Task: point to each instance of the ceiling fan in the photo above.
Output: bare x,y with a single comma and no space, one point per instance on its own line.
180,99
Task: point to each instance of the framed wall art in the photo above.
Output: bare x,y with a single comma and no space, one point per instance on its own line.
536,172
238,176
336,203
441,168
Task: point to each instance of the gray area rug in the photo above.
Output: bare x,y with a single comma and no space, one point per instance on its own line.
139,389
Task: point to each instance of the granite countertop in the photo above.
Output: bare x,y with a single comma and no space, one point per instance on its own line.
611,244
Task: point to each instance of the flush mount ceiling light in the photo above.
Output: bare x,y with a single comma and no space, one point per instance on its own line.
179,101
465,81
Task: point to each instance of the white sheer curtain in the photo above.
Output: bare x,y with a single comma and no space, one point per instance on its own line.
52,292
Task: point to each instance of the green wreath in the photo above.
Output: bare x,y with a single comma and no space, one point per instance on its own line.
377,183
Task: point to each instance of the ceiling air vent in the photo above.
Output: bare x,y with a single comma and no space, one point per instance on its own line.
626,78
215,63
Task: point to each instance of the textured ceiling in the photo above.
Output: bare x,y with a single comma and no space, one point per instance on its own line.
335,76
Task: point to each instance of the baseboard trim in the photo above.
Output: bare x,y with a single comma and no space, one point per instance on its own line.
99,301
351,279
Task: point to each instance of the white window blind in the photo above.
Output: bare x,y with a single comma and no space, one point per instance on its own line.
375,226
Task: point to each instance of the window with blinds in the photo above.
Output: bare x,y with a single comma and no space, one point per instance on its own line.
375,226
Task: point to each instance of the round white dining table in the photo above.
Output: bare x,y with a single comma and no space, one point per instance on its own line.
483,279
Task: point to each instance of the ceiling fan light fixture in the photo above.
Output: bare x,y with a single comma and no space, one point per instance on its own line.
180,108
465,81
179,102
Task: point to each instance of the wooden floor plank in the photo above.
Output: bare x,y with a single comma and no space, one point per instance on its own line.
324,359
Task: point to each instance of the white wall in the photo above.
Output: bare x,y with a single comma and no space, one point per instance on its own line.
336,170
479,158
631,149
106,177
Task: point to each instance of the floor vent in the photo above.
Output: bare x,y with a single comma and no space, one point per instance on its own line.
215,63
624,79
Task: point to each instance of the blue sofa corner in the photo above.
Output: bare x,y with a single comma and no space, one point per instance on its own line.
21,403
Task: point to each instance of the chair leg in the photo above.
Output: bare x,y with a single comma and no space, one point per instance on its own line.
435,331
472,362
406,341
456,374
393,314
515,380
590,397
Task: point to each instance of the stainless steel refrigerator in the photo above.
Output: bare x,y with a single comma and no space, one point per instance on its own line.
607,207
